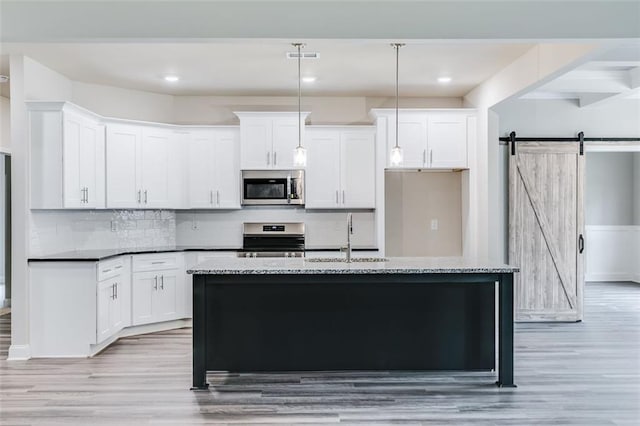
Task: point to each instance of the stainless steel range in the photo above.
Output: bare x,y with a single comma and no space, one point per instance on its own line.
272,239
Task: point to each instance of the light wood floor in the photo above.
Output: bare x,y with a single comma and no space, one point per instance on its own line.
577,373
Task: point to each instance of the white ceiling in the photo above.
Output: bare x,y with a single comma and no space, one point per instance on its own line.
612,75
345,68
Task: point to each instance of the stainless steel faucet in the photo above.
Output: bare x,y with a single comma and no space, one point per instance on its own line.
347,249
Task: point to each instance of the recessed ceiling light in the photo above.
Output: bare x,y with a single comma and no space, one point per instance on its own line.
444,80
171,78
308,79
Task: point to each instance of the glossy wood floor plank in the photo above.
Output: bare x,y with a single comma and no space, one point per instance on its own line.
567,374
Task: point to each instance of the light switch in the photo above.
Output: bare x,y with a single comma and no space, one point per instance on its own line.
434,224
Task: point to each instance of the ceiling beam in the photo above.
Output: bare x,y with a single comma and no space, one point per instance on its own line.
632,87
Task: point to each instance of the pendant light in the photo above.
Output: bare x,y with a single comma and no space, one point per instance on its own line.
300,154
396,152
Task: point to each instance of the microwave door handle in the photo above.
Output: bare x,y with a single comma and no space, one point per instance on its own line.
288,189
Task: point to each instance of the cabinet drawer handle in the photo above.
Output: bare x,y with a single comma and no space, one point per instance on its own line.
155,282
104,271
161,282
116,287
118,267
113,291
161,262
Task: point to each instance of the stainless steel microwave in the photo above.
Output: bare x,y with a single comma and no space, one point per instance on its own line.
273,187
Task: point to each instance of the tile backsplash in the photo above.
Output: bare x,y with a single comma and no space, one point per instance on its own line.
60,231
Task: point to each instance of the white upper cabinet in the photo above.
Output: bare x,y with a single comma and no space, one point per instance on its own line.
123,163
429,138
143,167
447,140
67,157
268,139
341,168
213,169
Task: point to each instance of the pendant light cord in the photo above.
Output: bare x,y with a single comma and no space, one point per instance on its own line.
299,45
397,46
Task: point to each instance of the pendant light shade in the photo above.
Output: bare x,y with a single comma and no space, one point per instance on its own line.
300,153
396,151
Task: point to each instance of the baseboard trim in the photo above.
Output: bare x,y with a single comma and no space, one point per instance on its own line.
618,276
137,330
19,352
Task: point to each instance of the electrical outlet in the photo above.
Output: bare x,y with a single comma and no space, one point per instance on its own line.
114,226
434,224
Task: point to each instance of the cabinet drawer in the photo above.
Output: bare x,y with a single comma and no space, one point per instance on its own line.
156,262
110,268
201,257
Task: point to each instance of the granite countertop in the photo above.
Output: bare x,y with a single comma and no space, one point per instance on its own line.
393,265
103,254
97,255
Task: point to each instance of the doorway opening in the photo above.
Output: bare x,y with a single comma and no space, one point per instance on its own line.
612,216
5,234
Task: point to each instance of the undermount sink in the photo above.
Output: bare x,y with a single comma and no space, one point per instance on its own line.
342,259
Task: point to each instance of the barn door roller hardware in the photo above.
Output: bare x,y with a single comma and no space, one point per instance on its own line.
512,139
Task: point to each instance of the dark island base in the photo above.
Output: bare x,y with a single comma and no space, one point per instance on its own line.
247,323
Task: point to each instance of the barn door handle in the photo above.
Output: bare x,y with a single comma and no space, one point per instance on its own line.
580,243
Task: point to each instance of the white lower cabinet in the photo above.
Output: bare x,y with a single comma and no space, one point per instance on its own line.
113,302
158,288
110,318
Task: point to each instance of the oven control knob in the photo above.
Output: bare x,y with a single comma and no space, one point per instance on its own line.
247,255
255,255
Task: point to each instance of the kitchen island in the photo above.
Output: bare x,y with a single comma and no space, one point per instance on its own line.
399,314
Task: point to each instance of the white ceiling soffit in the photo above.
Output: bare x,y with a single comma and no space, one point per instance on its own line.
614,75
261,68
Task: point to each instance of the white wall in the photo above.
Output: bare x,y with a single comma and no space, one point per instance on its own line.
5,125
324,110
609,189
112,101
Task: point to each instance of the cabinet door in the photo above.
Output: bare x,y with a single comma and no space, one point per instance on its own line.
322,177
358,170
116,311
285,141
256,143
73,192
201,170
105,297
92,164
156,155
412,138
447,140
226,170
144,288
123,159
167,298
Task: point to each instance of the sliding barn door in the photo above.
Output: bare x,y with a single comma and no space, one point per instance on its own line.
546,229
